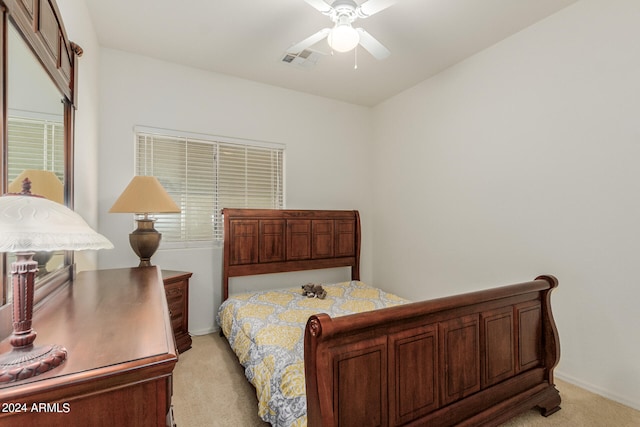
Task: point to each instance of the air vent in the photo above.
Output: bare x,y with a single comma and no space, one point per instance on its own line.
305,59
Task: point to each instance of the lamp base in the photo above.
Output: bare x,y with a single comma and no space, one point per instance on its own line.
23,363
144,241
25,360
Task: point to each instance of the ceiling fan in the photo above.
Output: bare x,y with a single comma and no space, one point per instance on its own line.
343,37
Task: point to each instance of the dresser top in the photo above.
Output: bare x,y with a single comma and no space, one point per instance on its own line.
110,322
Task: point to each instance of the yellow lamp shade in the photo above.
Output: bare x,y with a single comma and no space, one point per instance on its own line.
43,183
144,195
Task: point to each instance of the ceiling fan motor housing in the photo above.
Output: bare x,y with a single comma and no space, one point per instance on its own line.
343,10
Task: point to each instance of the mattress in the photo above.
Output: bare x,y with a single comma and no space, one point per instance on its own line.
266,331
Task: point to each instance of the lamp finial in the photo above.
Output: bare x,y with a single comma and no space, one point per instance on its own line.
26,186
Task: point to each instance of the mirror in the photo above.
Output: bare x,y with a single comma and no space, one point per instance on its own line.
37,95
35,136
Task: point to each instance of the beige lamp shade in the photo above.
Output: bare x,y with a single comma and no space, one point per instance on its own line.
144,195
43,183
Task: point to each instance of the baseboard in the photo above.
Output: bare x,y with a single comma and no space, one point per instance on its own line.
206,331
597,390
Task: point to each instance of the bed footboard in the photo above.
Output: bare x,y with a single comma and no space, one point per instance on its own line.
473,359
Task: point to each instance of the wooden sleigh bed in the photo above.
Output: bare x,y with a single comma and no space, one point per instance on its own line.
474,359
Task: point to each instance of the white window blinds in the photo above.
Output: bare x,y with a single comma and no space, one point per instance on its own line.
205,175
35,144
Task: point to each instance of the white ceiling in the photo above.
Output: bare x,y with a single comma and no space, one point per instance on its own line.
247,39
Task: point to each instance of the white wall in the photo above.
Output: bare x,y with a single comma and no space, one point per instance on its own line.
519,161
80,30
326,153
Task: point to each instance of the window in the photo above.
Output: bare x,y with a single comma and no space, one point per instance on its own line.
35,143
204,174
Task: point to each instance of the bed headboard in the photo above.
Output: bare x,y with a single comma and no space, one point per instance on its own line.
259,241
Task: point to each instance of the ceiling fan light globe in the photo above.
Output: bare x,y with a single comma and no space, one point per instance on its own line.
343,38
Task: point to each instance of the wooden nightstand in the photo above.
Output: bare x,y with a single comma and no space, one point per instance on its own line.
176,287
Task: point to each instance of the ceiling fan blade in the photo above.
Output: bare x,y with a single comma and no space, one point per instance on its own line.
373,46
372,7
309,41
321,5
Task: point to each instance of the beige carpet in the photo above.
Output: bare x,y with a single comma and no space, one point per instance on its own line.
210,390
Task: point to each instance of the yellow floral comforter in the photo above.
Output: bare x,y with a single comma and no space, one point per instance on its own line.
266,331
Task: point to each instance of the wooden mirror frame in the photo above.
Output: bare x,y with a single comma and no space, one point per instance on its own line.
40,25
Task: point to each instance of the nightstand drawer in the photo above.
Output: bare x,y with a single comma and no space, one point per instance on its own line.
175,293
176,324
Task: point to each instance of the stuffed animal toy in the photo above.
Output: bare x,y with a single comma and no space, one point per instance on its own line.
311,290
320,292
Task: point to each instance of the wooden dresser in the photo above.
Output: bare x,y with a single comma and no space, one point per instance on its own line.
176,286
121,355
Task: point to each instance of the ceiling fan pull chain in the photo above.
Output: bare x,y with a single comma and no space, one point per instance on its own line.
355,58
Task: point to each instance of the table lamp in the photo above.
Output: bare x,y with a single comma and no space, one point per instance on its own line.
143,196
30,223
